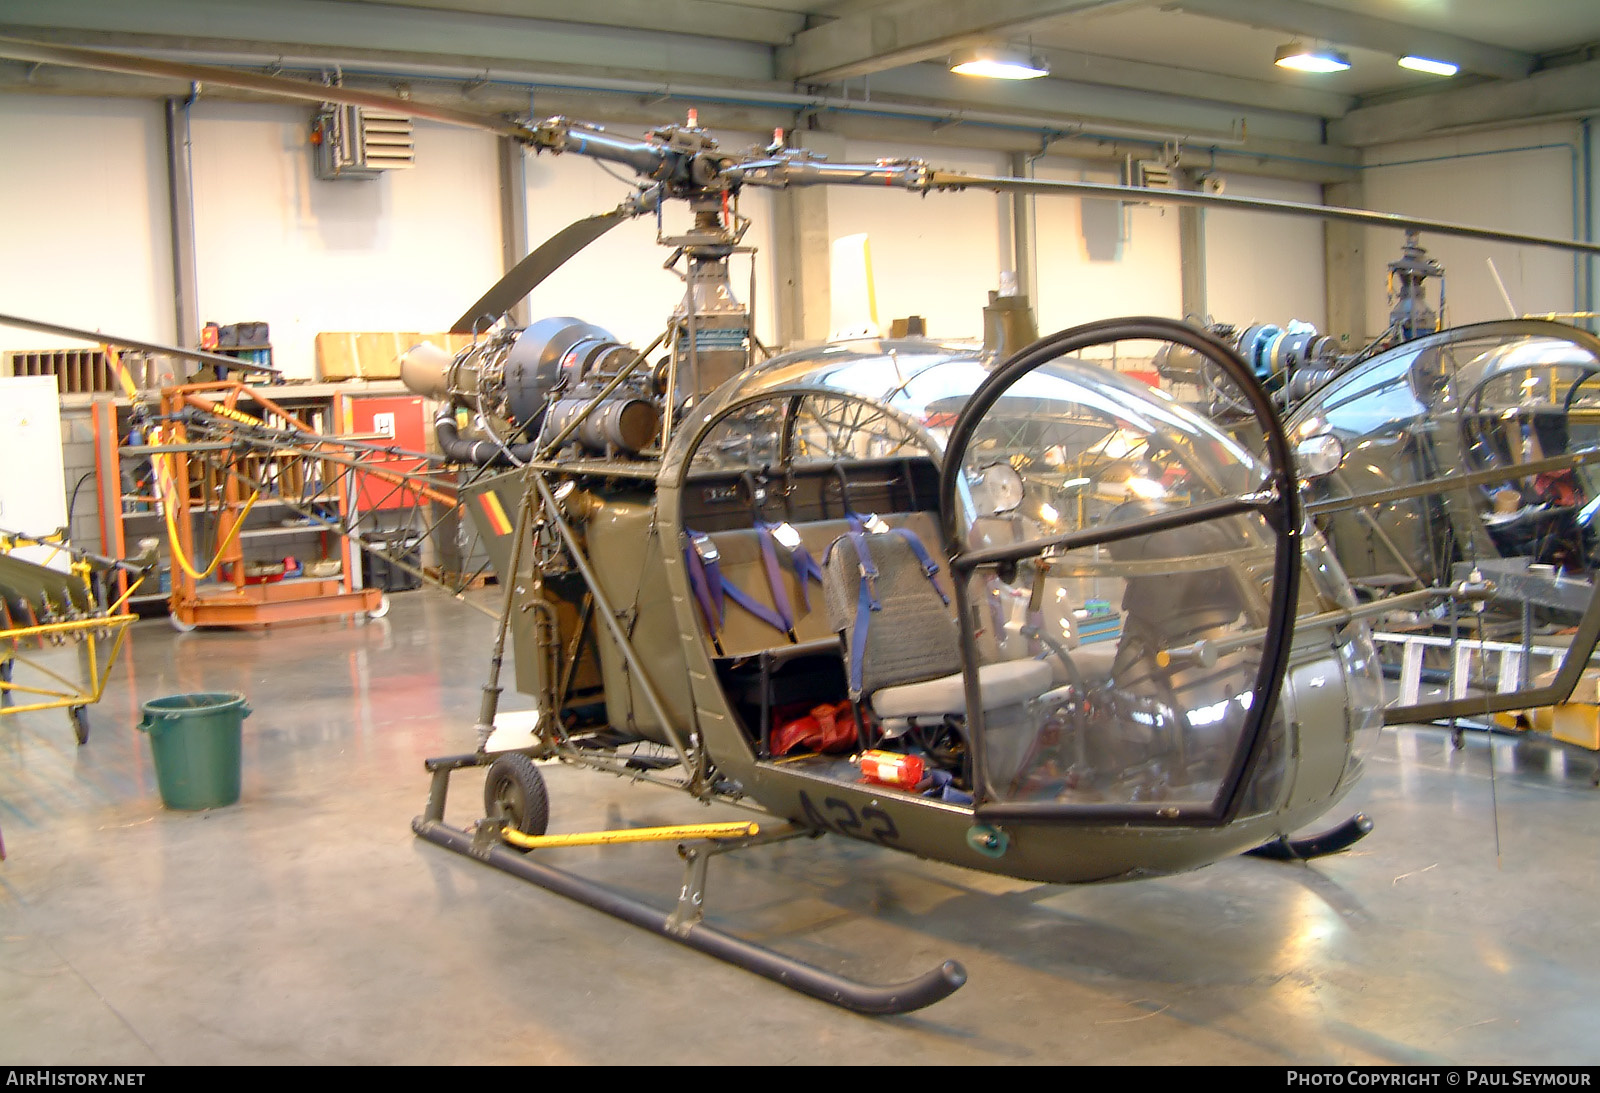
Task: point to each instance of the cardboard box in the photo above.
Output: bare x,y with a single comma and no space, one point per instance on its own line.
374,355
1576,721
1587,690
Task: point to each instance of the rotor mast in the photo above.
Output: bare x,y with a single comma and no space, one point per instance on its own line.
710,336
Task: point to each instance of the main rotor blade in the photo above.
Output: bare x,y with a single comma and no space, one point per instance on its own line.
526,275
201,355
17,49
950,180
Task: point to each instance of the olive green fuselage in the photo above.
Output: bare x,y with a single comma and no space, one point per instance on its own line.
632,545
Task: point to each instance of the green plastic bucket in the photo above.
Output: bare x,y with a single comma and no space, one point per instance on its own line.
195,740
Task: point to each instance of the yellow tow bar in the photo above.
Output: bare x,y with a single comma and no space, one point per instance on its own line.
737,830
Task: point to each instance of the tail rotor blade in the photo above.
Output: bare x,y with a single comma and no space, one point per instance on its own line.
527,274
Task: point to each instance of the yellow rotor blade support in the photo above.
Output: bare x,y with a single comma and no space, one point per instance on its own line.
738,830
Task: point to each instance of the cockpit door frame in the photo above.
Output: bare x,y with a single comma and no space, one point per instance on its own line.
1277,502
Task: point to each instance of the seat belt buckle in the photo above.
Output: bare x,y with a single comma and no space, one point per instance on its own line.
704,547
869,585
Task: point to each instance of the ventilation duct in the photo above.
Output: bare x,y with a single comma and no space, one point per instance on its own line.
1149,174
352,142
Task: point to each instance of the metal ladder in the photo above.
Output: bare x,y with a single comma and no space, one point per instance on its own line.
1515,668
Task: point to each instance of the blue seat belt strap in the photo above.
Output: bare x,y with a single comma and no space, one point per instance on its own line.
930,568
775,585
756,608
712,589
805,566
866,603
705,578
869,570
808,569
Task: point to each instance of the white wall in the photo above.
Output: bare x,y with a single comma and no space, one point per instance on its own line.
1500,179
936,256
1264,268
408,251
33,491
84,228
86,239
1144,278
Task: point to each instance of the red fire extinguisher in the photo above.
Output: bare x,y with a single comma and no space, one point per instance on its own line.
888,768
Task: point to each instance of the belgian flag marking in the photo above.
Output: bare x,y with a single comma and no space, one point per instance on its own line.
495,512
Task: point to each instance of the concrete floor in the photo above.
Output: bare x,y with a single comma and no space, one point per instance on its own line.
307,925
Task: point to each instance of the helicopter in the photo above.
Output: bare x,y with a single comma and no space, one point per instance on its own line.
1002,607
1465,464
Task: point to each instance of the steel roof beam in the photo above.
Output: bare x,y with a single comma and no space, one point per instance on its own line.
908,31
1570,91
623,107
1347,28
704,18
1187,83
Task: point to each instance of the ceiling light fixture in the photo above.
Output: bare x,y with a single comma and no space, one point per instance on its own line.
999,63
1429,65
1304,58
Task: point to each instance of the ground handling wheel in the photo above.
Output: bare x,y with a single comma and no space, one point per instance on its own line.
514,791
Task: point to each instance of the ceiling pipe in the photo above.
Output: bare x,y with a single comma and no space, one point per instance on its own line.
800,102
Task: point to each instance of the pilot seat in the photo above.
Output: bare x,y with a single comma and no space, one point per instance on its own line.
888,599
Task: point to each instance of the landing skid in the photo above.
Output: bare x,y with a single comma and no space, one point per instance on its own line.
1328,842
684,924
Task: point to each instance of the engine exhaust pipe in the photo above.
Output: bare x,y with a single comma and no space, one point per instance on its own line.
425,370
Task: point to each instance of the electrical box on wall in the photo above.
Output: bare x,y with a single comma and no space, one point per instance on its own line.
353,142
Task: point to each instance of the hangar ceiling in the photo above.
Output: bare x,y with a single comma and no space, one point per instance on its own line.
1193,72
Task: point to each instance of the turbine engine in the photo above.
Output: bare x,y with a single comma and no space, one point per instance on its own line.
524,388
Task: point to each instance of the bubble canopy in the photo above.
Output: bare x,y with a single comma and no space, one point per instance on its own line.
1133,561
1476,444
888,399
